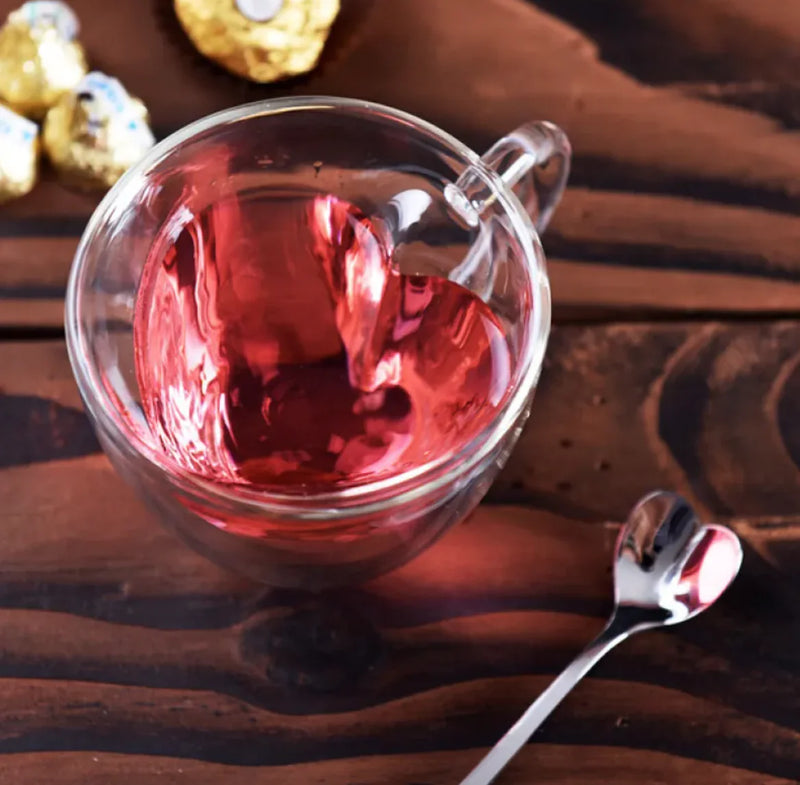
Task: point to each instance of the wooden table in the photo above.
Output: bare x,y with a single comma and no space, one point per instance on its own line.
675,362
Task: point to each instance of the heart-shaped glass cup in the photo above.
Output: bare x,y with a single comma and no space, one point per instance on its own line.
450,213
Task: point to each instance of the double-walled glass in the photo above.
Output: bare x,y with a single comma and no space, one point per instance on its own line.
451,213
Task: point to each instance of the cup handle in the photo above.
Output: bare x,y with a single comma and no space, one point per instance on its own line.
532,161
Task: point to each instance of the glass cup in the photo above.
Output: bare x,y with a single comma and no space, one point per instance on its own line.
450,212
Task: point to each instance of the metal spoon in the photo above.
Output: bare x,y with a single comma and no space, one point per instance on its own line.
667,568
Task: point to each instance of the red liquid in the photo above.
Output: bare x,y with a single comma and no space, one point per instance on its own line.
276,348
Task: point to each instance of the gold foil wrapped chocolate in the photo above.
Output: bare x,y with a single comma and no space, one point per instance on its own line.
262,40
39,57
19,154
96,131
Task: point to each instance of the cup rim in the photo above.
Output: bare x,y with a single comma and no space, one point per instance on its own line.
359,499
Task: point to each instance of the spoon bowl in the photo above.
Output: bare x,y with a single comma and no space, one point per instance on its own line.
668,566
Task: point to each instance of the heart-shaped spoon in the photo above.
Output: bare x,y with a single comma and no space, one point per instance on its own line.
667,568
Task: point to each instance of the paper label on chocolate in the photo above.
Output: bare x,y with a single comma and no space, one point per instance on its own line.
15,129
51,13
259,10
109,99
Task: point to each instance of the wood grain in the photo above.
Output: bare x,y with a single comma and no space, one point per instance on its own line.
692,177
549,764
126,657
148,667
709,408
613,255
677,386
120,641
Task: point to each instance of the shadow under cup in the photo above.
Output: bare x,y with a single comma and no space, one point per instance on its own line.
398,171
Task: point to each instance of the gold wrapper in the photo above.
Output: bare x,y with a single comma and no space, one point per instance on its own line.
39,58
96,131
19,154
262,40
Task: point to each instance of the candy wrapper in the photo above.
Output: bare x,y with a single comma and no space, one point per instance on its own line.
19,154
262,40
39,57
96,132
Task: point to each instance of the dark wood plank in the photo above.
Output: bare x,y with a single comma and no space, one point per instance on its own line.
438,655
126,655
119,643
728,42
545,763
678,387
675,190
708,408
612,254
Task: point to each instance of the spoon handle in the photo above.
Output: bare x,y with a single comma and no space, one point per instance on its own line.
505,749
